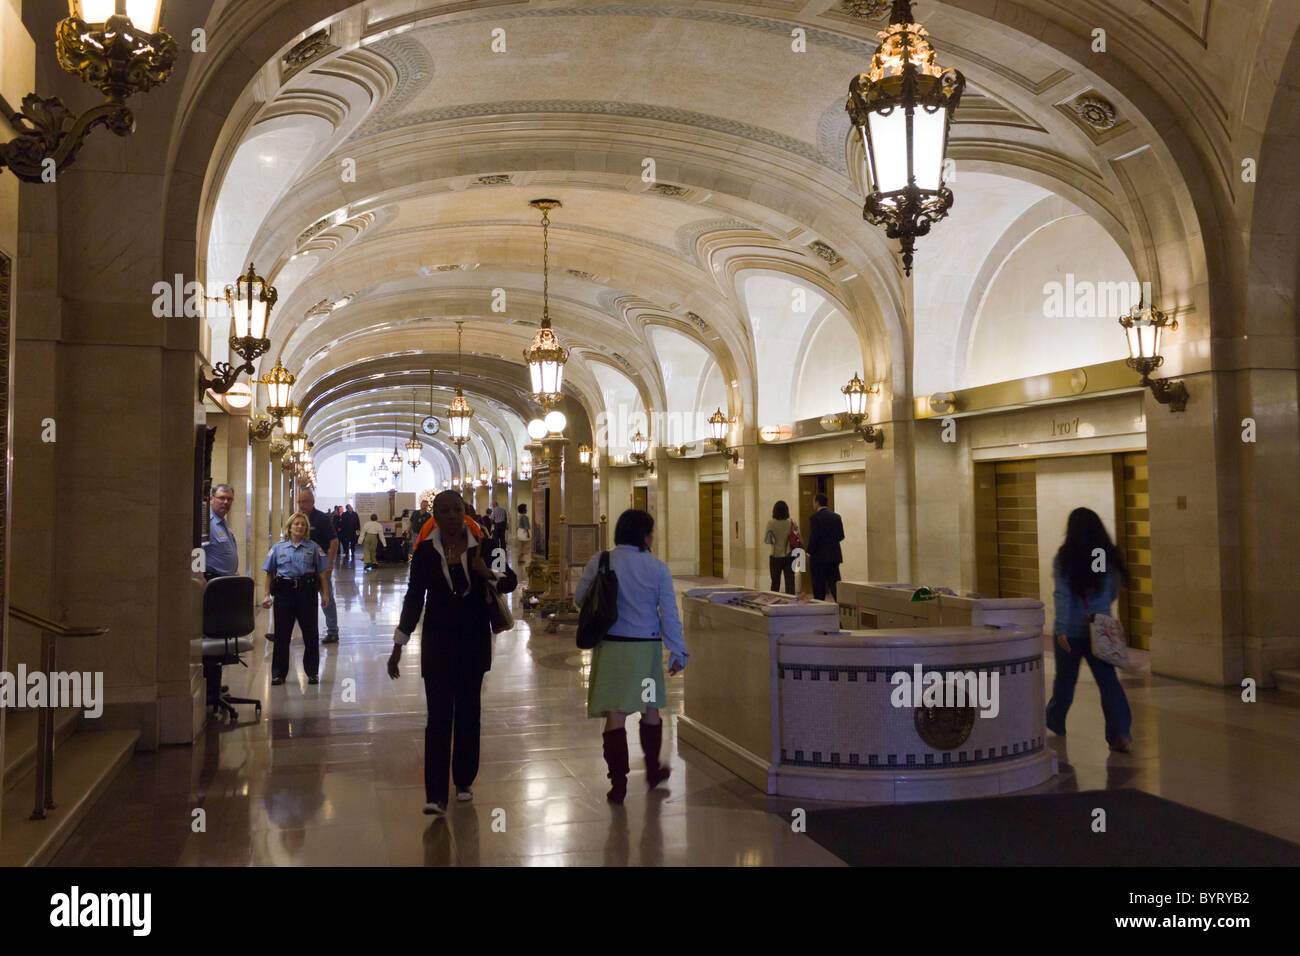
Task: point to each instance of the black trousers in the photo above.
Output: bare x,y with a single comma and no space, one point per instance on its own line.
452,696
348,546
782,567
824,577
300,606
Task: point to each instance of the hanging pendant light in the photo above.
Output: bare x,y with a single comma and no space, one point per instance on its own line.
903,109
279,385
546,357
414,450
459,414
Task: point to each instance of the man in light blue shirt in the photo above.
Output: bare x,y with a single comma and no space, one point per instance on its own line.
221,554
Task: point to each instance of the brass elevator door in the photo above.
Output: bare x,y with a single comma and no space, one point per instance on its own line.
810,486
1016,494
640,498
1133,537
711,530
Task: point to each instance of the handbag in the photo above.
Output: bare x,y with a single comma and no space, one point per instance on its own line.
794,539
1106,637
522,535
599,606
498,611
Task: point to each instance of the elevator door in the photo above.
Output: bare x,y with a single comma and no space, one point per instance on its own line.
1017,529
1133,537
640,498
810,486
711,530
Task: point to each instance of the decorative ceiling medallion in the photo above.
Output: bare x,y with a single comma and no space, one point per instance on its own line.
823,251
944,728
864,9
498,179
698,322
668,190
579,274
308,51
1096,111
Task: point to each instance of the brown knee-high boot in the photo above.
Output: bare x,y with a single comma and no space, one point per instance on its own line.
615,742
651,738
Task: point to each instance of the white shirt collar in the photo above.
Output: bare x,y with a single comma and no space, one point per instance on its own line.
435,537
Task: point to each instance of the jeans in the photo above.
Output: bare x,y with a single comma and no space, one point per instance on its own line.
1114,703
781,567
331,609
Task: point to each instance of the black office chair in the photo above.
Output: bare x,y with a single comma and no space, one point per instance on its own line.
227,622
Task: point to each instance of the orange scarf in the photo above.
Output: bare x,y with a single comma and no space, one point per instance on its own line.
429,525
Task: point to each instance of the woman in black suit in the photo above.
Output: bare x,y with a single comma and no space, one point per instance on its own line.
448,583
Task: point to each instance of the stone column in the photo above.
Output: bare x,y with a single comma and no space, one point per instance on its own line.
745,520
261,498
556,598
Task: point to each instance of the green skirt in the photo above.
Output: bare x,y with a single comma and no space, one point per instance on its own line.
626,676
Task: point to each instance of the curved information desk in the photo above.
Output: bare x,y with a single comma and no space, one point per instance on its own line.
782,697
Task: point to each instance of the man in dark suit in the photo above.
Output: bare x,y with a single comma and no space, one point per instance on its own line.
825,533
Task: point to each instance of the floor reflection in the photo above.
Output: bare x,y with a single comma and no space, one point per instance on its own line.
332,774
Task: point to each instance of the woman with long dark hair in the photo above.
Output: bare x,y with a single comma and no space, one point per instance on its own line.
780,563
1087,572
449,583
627,666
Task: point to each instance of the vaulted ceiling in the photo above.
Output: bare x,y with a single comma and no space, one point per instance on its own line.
380,168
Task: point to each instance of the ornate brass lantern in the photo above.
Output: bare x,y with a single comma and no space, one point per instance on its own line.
250,300
718,425
855,411
584,454
546,357
117,47
903,109
1143,328
414,452
459,414
397,458
503,474
279,386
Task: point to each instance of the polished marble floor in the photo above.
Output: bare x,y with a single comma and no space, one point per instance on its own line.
332,774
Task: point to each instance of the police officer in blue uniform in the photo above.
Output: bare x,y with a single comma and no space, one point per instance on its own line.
221,557
297,570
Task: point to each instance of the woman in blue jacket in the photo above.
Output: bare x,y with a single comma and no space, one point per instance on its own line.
1087,572
627,666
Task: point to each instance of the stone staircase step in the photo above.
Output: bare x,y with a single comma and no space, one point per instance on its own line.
20,740
1287,679
84,766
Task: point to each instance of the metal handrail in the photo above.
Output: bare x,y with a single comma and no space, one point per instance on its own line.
45,624
50,630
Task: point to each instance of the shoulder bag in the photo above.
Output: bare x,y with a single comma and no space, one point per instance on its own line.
1106,636
498,611
794,539
599,606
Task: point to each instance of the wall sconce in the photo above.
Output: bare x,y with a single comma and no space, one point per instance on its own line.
640,452
1143,327
503,475
113,53
718,425
251,301
584,454
942,403
855,411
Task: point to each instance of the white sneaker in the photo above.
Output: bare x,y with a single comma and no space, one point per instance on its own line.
434,809
464,796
